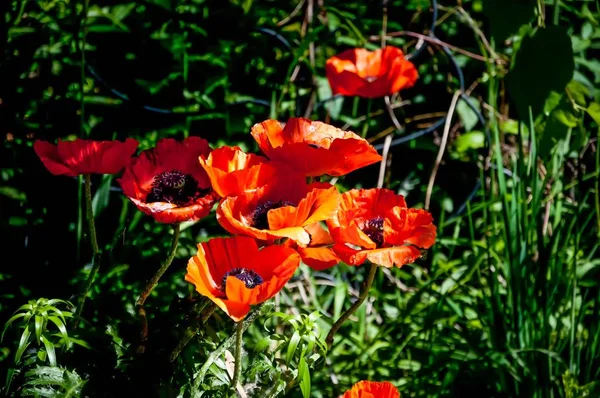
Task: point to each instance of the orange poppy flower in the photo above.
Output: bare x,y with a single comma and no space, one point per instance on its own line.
376,225
318,254
235,274
232,171
281,209
372,389
167,182
73,158
370,74
314,148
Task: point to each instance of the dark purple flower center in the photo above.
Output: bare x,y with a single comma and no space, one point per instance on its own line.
250,278
174,187
373,228
259,217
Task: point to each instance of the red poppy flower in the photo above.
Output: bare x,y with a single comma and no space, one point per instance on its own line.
73,158
314,148
235,274
232,171
376,225
372,389
281,209
370,74
318,254
167,182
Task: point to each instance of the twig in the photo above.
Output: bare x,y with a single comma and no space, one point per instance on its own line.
440,154
292,14
384,155
437,41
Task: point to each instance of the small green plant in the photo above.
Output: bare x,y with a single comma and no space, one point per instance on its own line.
35,318
55,382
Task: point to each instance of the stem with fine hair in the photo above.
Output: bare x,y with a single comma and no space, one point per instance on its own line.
139,304
364,292
94,243
212,357
237,370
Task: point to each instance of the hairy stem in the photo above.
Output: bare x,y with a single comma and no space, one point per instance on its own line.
94,243
223,346
237,370
364,292
139,304
204,310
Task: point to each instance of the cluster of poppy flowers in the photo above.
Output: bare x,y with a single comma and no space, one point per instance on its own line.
276,216
276,206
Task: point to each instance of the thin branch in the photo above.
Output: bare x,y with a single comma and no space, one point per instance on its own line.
440,154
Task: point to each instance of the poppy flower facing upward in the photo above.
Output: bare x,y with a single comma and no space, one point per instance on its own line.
313,148
372,389
168,183
376,225
281,209
73,158
235,274
232,171
370,74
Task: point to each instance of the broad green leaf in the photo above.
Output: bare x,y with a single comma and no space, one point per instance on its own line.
594,111
472,140
467,116
507,16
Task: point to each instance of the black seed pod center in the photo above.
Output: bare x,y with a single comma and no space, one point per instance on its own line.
259,217
174,187
373,228
250,278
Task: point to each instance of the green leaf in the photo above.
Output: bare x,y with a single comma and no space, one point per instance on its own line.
304,378
467,116
594,111
292,346
49,350
531,80
334,107
61,326
102,197
23,344
472,140
11,320
13,193
39,324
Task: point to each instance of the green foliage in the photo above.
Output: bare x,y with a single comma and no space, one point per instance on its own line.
52,382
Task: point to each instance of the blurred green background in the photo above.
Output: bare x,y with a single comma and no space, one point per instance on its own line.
507,302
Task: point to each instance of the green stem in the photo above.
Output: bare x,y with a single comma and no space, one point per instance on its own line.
364,292
93,241
139,304
556,16
597,184
237,370
222,347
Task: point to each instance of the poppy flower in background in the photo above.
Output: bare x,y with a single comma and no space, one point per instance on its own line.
73,158
318,254
280,209
235,274
313,148
376,225
232,171
370,74
372,389
168,183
